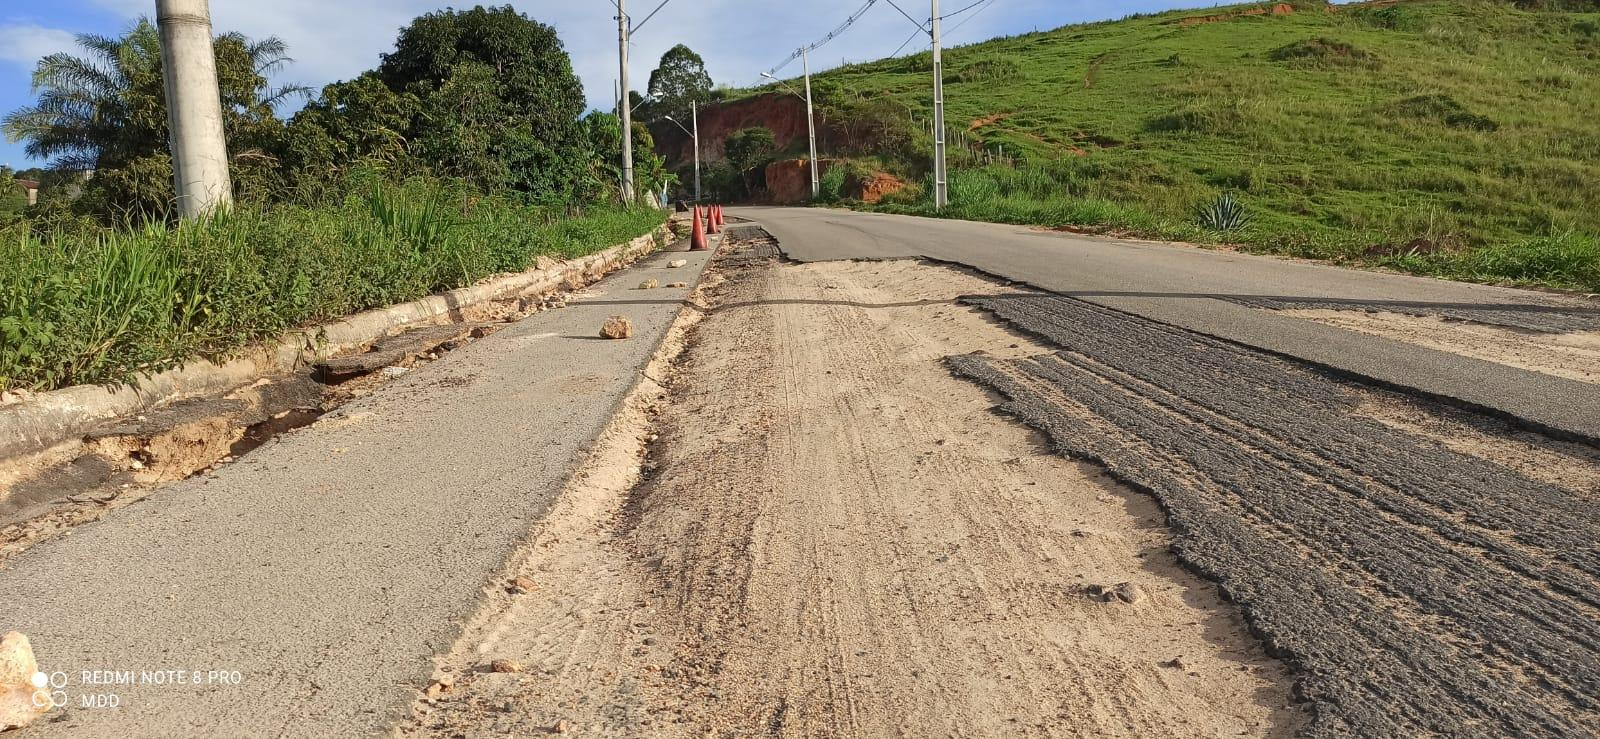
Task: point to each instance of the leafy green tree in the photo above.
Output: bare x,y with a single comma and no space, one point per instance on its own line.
350,124
604,131
749,149
681,79
106,112
605,139
500,101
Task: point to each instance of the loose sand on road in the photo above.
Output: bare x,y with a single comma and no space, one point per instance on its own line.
805,525
1574,355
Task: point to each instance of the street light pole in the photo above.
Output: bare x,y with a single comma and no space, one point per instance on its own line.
694,112
194,107
627,103
811,121
941,179
694,108
811,125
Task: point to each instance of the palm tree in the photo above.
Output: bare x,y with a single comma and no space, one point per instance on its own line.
106,108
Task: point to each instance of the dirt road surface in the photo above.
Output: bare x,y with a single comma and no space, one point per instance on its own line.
831,535
818,525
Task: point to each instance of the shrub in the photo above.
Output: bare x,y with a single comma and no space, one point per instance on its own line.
831,186
1225,119
1323,52
1444,109
988,70
1394,18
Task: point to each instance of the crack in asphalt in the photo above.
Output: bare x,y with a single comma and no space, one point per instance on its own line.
1416,589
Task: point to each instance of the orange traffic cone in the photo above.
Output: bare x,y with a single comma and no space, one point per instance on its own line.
697,237
711,219
720,222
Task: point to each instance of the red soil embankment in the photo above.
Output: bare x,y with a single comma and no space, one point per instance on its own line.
784,115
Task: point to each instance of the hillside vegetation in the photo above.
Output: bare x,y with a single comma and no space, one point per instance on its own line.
1451,138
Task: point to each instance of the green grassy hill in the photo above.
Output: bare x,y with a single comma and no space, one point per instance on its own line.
1454,138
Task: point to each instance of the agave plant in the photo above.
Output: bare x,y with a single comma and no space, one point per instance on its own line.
1225,213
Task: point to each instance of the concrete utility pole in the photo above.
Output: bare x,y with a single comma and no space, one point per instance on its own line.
941,172
194,107
811,125
627,104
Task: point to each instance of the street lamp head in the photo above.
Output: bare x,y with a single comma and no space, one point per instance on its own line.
768,75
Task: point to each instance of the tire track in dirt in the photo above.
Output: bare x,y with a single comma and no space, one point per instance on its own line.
1417,588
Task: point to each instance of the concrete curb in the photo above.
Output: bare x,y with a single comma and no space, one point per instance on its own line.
48,419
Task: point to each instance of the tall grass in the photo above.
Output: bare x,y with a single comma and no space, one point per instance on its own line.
105,307
1053,195
1056,194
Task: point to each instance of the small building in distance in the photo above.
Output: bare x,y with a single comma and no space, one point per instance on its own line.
32,188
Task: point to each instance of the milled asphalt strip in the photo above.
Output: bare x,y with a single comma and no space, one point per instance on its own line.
1417,590
1190,288
329,567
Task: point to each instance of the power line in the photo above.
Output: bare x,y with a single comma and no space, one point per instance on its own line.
948,16
825,39
903,12
913,37
986,5
924,29
647,18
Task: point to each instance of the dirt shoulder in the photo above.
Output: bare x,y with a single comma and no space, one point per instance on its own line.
810,527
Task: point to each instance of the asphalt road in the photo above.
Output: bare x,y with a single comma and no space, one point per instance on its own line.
326,569
1199,290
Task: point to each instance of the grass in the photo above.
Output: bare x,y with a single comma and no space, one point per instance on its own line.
1354,135
108,307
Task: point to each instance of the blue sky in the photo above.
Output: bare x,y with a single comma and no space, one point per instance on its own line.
337,39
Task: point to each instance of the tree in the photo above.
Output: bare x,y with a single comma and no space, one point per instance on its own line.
605,139
106,112
501,102
749,148
350,123
679,80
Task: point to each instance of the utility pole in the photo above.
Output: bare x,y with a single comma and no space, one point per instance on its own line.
194,107
941,173
627,104
811,125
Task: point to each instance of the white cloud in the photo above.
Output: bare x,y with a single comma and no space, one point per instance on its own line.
26,44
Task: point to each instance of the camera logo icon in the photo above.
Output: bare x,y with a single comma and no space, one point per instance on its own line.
49,690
